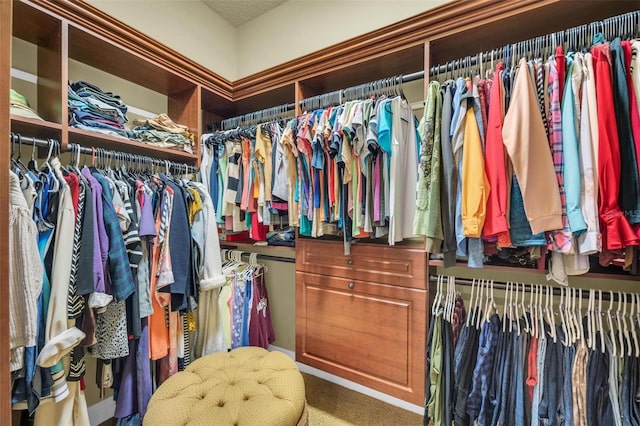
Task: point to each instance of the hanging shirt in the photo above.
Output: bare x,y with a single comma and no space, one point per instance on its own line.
428,214
525,139
590,241
571,171
403,171
449,177
496,162
629,191
25,276
475,185
100,240
561,238
615,228
459,110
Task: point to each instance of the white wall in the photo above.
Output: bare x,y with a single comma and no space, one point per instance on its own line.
186,26
299,27
291,30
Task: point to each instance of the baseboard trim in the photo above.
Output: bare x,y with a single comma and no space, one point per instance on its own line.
349,384
102,411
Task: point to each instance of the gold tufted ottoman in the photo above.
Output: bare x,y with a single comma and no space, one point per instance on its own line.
247,386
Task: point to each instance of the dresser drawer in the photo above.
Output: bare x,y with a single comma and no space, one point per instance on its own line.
401,266
373,334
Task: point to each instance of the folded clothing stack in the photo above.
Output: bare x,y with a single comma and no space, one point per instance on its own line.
92,109
161,131
284,237
19,105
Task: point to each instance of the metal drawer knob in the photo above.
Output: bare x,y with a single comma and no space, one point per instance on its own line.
349,261
350,285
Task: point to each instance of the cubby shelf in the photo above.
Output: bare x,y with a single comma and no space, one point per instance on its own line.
37,128
114,143
58,39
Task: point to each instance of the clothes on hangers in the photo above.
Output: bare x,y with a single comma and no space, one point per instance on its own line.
514,367
238,169
556,163
117,263
348,169
243,303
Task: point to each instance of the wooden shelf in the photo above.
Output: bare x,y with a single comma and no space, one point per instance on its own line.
275,96
94,50
33,24
517,270
473,36
97,140
402,61
32,127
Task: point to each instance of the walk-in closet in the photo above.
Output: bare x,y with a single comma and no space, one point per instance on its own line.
252,213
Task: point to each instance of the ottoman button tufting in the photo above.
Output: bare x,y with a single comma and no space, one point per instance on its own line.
281,389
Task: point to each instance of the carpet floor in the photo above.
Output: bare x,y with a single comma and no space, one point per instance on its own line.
330,404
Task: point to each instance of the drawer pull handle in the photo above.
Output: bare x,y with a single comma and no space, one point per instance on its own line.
350,285
349,261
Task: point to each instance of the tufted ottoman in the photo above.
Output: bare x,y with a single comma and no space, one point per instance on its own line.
247,386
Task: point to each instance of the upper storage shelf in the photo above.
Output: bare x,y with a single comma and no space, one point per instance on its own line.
401,61
33,24
97,52
70,50
36,28
507,25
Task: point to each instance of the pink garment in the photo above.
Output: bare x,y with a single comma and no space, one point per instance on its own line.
561,240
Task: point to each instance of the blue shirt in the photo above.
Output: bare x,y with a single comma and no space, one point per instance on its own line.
571,169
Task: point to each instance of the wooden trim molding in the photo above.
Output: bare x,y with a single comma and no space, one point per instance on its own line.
6,15
453,16
458,17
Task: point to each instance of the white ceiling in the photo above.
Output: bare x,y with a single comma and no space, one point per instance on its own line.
238,12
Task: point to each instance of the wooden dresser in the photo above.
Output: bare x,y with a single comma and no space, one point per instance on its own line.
363,317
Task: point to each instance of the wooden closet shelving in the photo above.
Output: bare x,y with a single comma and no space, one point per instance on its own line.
60,36
197,97
33,127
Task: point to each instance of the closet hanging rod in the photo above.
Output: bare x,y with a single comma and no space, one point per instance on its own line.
273,258
501,285
111,155
381,86
232,247
257,116
628,24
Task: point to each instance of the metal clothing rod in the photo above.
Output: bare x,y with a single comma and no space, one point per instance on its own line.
102,155
627,25
279,111
230,248
385,86
501,285
274,258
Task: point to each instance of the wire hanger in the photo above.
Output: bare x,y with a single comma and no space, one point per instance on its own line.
549,313
468,320
632,318
619,324
625,327
600,330
479,299
505,318
531,308
614,344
